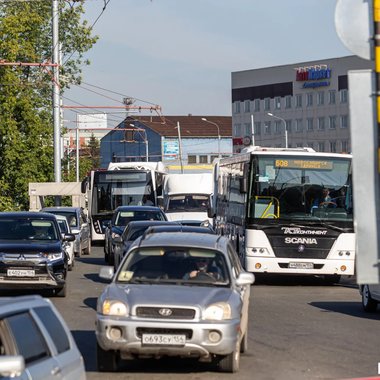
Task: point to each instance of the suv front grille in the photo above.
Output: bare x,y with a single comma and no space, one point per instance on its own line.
168,313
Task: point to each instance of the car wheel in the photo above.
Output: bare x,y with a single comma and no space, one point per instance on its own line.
369,304
87,250
231,362
107,361
61,292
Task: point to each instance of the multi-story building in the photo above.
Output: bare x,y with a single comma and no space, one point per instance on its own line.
301,104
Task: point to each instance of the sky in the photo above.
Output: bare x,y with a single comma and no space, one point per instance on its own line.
179,54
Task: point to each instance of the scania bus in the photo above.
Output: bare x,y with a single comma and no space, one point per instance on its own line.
287,210
121,184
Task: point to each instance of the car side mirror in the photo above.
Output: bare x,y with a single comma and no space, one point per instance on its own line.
117,239
68,237
106,272
245,278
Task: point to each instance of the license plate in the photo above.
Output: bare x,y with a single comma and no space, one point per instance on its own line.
20,273
301,265
164,339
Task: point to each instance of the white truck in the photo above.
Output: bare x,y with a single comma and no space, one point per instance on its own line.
187,197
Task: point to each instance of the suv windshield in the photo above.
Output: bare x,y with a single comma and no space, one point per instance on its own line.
185,265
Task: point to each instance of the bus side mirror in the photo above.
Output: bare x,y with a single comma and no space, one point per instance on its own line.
243,181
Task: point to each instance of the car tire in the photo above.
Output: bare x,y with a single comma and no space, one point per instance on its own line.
61,292
107,361
230,363
87,250
369,304
244,343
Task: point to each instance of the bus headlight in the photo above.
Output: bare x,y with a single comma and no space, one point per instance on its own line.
260,251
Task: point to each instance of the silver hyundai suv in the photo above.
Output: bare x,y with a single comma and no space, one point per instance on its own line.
179,294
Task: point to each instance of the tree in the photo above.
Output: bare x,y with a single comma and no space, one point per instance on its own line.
26,127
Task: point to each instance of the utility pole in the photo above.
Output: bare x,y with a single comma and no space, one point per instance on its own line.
180,146
56,105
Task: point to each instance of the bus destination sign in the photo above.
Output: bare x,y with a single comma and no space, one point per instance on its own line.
303,164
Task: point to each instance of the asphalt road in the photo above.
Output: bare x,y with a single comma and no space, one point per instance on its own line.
299,329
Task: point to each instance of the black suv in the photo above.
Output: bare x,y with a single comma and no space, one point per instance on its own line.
31,252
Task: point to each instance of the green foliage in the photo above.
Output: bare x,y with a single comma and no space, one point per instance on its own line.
26,127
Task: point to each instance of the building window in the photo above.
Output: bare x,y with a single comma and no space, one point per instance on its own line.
256,105
258,128
321,123
203,159
309,99
332,122
332,96
343,96
266,104
237,107
288,125
277,127
333,146
321,146
191,159
320,98
288,101
309,124
267,128
277,102
299,125
248,129
298,100
345,147
237,130
247,106
344,121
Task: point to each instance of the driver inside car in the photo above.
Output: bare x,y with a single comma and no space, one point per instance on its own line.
203,270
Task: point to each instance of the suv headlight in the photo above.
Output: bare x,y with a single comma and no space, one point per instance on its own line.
54,256
217,312
113,307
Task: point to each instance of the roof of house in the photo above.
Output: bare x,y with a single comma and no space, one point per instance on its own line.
191,126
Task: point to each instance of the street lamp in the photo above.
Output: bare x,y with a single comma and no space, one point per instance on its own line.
145,140
286,131
217,126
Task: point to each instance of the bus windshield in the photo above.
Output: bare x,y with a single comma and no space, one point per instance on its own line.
306,188
119,188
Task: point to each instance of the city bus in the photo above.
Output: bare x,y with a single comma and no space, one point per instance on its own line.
288,211
121,184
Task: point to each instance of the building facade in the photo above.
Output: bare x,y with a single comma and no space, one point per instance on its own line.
302,104
182,143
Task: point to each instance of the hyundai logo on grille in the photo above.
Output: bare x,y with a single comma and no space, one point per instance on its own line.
165,312
301,248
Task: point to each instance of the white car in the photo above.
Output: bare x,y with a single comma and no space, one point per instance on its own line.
67,245
370,296
35,342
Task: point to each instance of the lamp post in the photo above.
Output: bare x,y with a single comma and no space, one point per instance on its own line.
286,131
217,126
145,140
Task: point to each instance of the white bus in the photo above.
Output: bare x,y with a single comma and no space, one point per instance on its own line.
122,184
288,210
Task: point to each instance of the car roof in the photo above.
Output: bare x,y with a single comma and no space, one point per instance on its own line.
14,304
61,208
27,214
137,208
184,239
143,223
179,228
